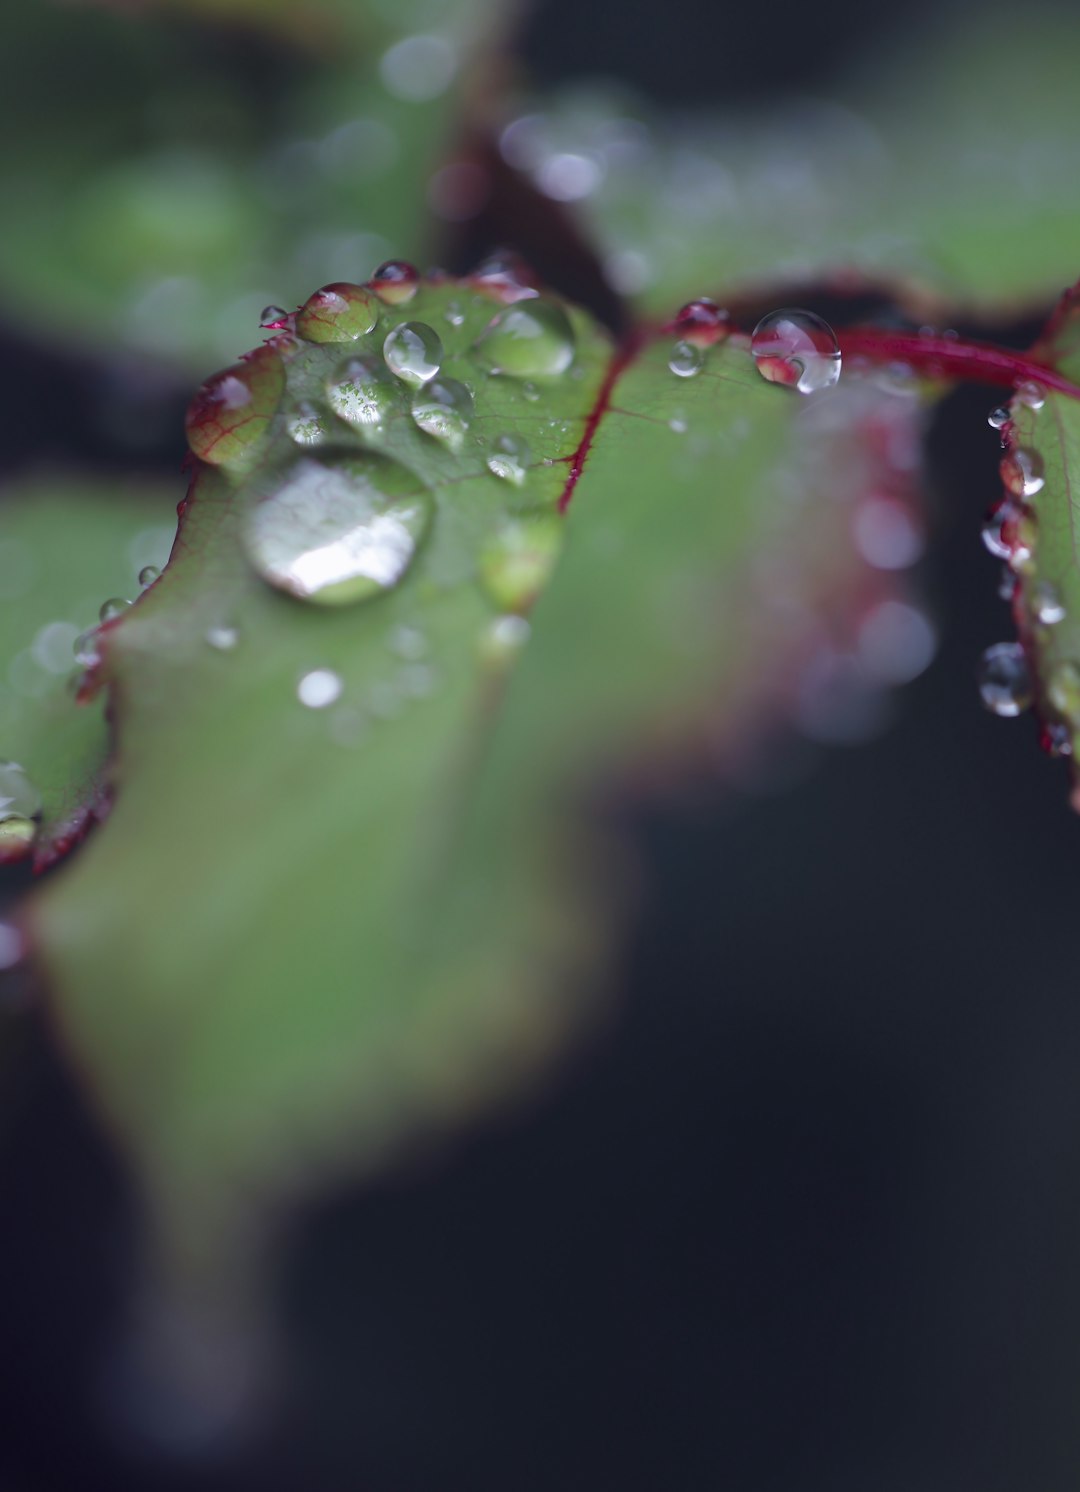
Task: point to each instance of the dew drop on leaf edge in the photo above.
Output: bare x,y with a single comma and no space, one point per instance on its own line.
1005,684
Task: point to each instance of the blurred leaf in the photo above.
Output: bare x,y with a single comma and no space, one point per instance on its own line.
140,220
933,166
65,547
307,935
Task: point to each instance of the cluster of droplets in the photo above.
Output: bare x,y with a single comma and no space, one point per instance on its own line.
1006,681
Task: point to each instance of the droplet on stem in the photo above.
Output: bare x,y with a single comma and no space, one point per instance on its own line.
798,349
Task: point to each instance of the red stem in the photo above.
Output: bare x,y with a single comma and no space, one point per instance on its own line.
980,362
621,360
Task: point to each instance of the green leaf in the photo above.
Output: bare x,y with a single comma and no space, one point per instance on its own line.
819,188
307,936
65,548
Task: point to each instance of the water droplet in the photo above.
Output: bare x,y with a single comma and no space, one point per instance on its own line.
503,638
1063,691
112,608
999,417
361,392
273,319
443,408
85,648
19,798
1031,394
678,425
413,352
17,836
1022,472
454,314
798,349
233,410
1007,584
506,275
531,339
516,564
396,282
147,575
338,533
337,313
306,424
686,359
994,529
1005,680
702,321
222,637
1047,606
531,392
1056,739
319,688
509,459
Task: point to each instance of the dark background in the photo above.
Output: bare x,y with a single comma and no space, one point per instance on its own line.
803,1214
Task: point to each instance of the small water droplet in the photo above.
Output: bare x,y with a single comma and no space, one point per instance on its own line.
507,275
17,836
994,529
531,339
686,359
531,392
361,393
19,798
1005,680
1007,583
319,688
147,575
443,409
999,417
1047,606
413,352
509,459
273,319
222,637
517,563
233,410
85,648
798,349
112,608
454,314
337,313
396,282
1022,472
1056,739
702,320
1021,533
305,424
338,533
503,638
1063,691
678,425
1031,394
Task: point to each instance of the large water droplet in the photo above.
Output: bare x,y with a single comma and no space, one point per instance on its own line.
319,688
147,575
362,393
532,339
396,282
509,459
1022,472
19,798
444,409
337,313
341,532
233,410
997,529
798,349
516,564
1005,679
413,352
686,359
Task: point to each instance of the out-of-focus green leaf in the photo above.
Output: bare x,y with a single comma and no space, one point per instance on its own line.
943,164
65,548
307,935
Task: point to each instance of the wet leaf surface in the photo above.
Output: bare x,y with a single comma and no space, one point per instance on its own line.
355,883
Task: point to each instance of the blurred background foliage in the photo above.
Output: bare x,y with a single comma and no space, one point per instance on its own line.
810,1212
